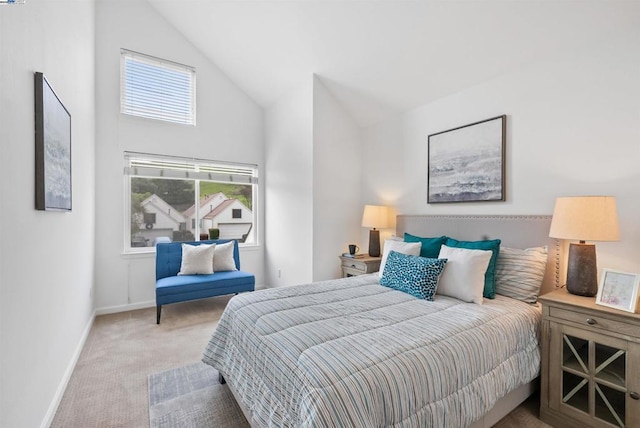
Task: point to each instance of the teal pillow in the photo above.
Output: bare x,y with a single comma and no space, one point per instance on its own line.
490,276
430,246
414,275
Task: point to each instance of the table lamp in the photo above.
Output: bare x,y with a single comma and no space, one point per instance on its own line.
376,217
584,218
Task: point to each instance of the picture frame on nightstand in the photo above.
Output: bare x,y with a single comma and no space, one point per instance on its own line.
618,290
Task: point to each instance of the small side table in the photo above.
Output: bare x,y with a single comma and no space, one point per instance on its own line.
358,266
590,363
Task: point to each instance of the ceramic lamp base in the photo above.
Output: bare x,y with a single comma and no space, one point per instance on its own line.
374,243
582,272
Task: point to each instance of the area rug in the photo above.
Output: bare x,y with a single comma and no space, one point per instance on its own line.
192,397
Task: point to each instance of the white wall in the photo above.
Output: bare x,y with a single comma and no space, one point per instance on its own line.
337,172
229,128
289,189
47,262
573,128
313,169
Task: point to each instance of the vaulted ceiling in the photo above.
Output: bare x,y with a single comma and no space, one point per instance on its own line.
384,57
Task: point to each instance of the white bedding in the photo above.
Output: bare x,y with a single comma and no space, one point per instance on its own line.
350,352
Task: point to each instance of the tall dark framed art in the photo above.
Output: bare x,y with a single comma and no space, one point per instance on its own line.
466,164
53,148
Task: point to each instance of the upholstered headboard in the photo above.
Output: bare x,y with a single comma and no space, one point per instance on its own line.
515,231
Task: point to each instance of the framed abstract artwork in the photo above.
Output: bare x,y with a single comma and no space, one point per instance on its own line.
53,149
466,164
618,290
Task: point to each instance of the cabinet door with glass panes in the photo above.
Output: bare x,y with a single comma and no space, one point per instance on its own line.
594,378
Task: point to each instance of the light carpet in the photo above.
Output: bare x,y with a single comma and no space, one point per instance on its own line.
109,385
192,397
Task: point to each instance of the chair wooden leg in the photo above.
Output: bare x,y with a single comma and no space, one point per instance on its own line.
158,312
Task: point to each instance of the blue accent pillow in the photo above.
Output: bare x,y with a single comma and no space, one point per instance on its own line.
489,290
430,246
414,275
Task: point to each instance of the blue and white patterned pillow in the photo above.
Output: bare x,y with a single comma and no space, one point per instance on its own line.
415,275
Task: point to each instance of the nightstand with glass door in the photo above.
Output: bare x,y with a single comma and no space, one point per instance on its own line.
590,363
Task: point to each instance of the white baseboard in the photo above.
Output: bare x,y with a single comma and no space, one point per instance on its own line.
125,308
53,407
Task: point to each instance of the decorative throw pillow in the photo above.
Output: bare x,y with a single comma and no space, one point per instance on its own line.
196,259
410,248
489,279
430,246
519,273
463,277
414,275
223,257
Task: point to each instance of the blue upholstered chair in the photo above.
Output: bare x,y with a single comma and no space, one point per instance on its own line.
174,288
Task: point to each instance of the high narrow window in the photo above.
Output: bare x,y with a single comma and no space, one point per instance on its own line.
178,199
157,89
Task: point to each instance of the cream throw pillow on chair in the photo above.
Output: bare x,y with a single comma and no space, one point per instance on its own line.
223,257
196,259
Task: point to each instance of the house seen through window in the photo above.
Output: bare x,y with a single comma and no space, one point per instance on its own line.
177,200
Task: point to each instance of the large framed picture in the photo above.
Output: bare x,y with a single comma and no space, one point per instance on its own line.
466,164
618,290
53,149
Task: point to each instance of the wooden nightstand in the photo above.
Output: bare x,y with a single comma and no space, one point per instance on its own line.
359,266
590,363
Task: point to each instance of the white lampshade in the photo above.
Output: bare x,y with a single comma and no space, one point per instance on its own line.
585,218
375,216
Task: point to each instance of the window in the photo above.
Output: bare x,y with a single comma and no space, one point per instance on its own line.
149,218
157,89
177,199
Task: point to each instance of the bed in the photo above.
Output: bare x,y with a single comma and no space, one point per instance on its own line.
351,352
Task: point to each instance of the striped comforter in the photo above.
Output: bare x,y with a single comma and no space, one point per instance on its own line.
352,353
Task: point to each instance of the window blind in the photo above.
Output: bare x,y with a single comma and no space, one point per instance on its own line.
157,89
156,167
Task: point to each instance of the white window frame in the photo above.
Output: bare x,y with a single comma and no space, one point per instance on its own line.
161,166
152,104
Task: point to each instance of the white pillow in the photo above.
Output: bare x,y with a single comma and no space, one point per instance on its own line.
196,259
410,248
463,275
223,257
